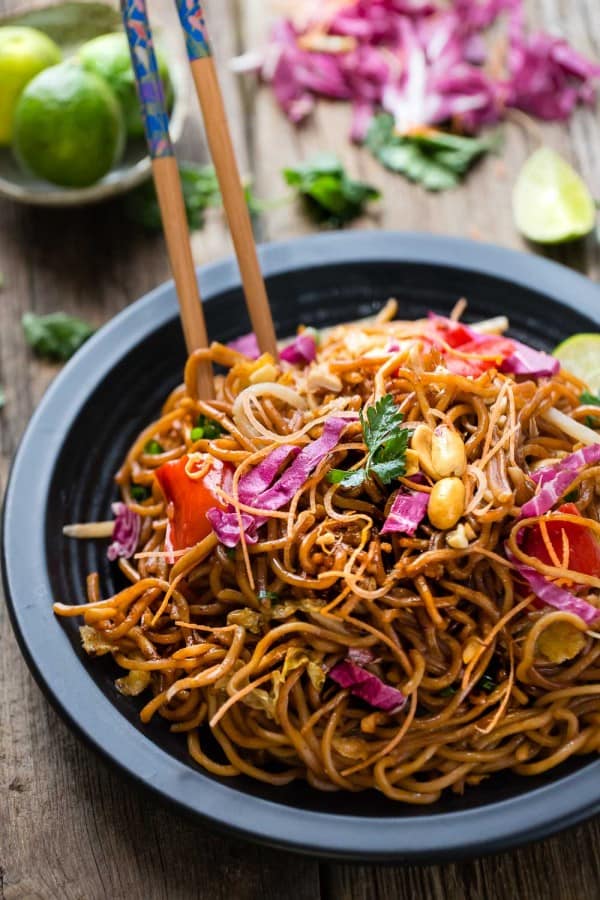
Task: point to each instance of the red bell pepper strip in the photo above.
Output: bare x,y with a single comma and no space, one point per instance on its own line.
584,547
188,501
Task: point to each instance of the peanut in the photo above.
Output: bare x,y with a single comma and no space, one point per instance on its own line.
421,443
458,539
448,455
446,503
412,463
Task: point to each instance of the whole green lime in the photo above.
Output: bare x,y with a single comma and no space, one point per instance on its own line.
108,56
23,53
68,126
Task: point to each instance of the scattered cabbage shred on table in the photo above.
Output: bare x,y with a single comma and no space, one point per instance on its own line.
423,62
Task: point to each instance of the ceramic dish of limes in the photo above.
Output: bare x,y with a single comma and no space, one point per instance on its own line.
71,131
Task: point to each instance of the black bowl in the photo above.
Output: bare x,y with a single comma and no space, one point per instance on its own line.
63,473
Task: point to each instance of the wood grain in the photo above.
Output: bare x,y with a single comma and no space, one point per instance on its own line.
69,827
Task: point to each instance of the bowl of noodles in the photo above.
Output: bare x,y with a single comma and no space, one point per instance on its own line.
350,604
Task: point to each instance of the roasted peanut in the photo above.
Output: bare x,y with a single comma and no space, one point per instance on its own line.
448,455
458,539
321,377
446,503
412,463
421,443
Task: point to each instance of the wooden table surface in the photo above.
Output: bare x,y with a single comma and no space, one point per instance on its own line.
70,828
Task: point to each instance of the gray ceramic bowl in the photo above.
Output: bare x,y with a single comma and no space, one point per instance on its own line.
71,24
120,378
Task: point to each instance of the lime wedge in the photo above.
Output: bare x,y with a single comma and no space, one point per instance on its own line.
551,203
580,354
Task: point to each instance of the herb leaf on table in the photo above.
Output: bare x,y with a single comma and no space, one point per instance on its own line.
56,336
200,189
331,197
436,159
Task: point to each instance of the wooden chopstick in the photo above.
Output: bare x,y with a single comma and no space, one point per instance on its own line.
167,183
223,155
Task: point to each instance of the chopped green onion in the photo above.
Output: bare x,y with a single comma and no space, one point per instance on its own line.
139,492
153,448
487,684
210,428
590,399
197,433
268,595
448,691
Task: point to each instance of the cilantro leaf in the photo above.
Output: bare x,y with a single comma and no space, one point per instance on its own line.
347,479
386,442
56,336
436,159
331,197
200,188
200,191
381,422
389,461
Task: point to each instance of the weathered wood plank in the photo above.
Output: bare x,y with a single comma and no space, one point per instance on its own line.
565,867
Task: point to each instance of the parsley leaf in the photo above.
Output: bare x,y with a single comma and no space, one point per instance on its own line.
436,159
386,442
56,336
331,197
590,400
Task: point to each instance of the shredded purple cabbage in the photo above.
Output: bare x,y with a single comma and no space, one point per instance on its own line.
262,488
226,526
262,476
297,473
527,361
302,350
407,512
247,344
367,686
424,63
555,596
362,656
555,481
126,532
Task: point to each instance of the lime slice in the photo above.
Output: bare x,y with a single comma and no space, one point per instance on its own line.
551,203
593,380
580,354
